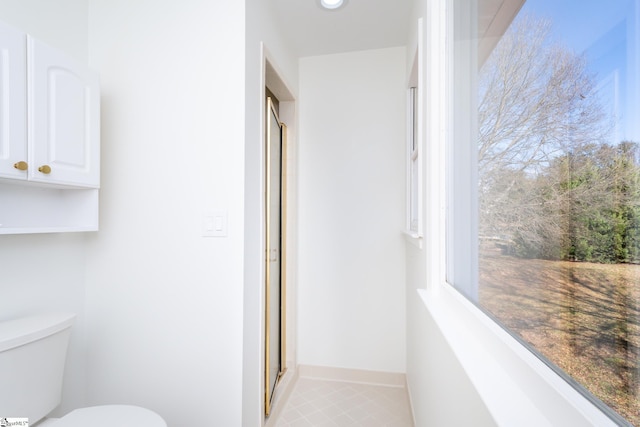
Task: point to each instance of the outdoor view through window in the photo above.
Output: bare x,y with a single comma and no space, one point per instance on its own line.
555,134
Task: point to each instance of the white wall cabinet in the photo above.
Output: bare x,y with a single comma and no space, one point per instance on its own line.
49,138
13,102
63,118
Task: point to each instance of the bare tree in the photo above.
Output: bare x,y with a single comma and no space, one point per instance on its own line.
537,101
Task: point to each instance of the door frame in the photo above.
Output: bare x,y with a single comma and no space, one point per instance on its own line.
274,78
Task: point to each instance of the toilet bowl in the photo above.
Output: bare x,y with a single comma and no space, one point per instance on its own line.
32,357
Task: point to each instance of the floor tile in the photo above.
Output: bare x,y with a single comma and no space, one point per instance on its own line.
321,403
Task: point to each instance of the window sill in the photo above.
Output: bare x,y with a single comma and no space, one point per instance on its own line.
516,387
413,238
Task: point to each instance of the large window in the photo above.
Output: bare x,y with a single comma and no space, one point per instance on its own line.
544,185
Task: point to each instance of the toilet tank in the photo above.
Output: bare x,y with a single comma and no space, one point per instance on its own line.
33,351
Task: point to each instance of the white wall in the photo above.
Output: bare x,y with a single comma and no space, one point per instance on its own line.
61,23
165,305
47,272
262,30
351,306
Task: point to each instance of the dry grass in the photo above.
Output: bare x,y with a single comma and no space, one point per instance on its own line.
583,317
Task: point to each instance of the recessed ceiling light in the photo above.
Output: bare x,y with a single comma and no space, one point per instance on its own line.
332,4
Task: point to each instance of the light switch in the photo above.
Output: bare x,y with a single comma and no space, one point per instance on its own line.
214,224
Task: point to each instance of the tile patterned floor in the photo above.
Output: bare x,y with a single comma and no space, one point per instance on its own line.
321,403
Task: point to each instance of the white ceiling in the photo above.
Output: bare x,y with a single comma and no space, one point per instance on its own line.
360,25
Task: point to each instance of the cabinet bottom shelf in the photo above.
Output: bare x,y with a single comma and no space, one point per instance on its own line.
25,209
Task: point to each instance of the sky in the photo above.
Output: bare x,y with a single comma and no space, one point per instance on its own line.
607,32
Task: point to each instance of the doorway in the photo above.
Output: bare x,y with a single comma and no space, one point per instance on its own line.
276,253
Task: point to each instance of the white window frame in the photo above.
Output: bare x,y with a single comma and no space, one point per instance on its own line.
516,387
414,164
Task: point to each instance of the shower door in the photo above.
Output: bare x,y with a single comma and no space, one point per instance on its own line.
275,253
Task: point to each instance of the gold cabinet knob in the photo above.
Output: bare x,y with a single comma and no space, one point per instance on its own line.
45,169
21,166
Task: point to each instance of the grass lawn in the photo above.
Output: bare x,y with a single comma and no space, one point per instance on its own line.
583,317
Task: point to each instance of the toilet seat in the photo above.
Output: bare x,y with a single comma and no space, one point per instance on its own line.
111,415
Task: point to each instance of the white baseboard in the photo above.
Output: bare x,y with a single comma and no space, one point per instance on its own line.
389,379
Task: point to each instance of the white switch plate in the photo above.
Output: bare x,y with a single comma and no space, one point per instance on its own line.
215,224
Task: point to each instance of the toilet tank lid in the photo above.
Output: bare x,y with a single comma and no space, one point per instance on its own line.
17,332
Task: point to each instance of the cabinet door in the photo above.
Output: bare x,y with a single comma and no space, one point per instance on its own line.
13,98
64,118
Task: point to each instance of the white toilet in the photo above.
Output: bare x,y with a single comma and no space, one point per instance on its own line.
32,358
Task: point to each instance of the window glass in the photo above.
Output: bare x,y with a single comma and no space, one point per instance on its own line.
413,163
544,182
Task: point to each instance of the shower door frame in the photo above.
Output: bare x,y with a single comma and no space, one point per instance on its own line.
269,390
